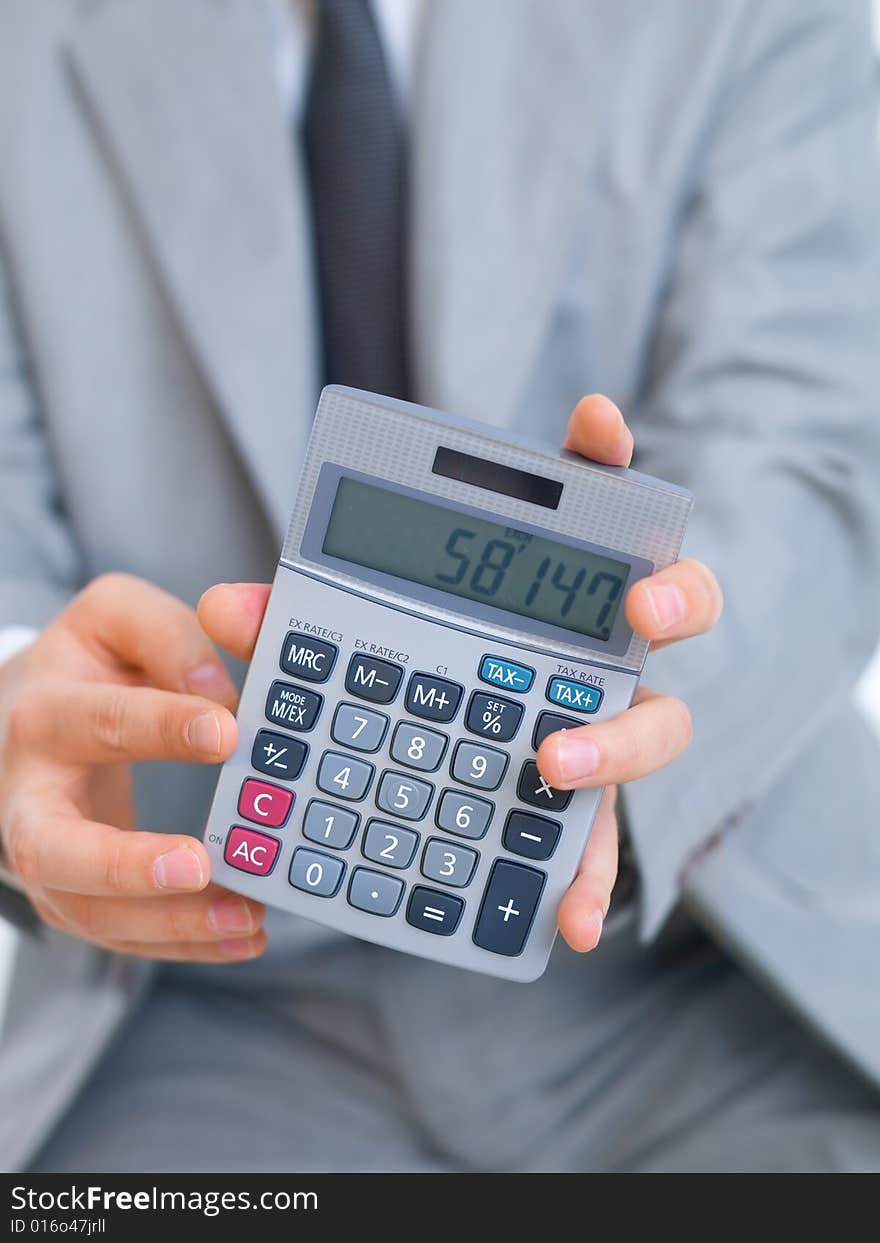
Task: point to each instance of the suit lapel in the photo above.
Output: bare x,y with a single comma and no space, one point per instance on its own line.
503,140
185,101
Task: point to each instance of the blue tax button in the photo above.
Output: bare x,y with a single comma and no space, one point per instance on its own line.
575,695
505,673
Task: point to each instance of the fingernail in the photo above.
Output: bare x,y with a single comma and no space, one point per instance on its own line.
247,948
668,605
210,680
179,869
576,757
231,915
203,733
598,921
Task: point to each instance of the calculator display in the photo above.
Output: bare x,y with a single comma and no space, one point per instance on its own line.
451,551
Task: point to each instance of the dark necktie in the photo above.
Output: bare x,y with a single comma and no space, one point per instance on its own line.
355,158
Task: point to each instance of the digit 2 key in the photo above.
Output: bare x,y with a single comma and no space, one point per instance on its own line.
448,595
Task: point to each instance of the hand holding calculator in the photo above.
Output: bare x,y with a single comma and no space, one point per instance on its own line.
447,596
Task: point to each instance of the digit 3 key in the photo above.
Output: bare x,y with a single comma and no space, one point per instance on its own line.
447,596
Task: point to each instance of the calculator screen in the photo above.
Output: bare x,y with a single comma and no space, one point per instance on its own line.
449,550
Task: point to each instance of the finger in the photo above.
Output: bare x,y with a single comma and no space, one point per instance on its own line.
103,723
232,614
67,852
683,600
585,903
240,950
214,915
597,430
149,629
649,735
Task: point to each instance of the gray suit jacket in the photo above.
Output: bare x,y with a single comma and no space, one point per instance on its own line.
670,202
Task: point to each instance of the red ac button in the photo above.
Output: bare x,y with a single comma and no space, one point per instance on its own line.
250,851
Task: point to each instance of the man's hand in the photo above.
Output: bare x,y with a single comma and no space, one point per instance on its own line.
124,673
677,603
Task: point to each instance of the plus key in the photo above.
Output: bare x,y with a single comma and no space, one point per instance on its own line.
508,908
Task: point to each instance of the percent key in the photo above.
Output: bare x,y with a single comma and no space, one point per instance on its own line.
492,717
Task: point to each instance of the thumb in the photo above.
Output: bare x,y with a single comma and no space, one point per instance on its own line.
232,613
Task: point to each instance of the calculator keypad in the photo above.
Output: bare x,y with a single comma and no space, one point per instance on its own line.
344,776
449,862
390,844
533,789
403,796
264,803
483,767
464,814
278,755
377,893
309,659
418,747
292,706
370,678
435,699
551,723
508,907
431,812
359,728
250,851
316,873
433,911
329,825
532,836
492,717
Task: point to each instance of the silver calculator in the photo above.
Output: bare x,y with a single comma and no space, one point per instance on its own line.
448,595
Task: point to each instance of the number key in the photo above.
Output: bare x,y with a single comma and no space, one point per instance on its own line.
483,767
344,776
316,873
418,747
404,796
329,825
362,729
389,844
464,814
448,862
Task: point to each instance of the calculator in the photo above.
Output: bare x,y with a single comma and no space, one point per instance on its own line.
448,594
